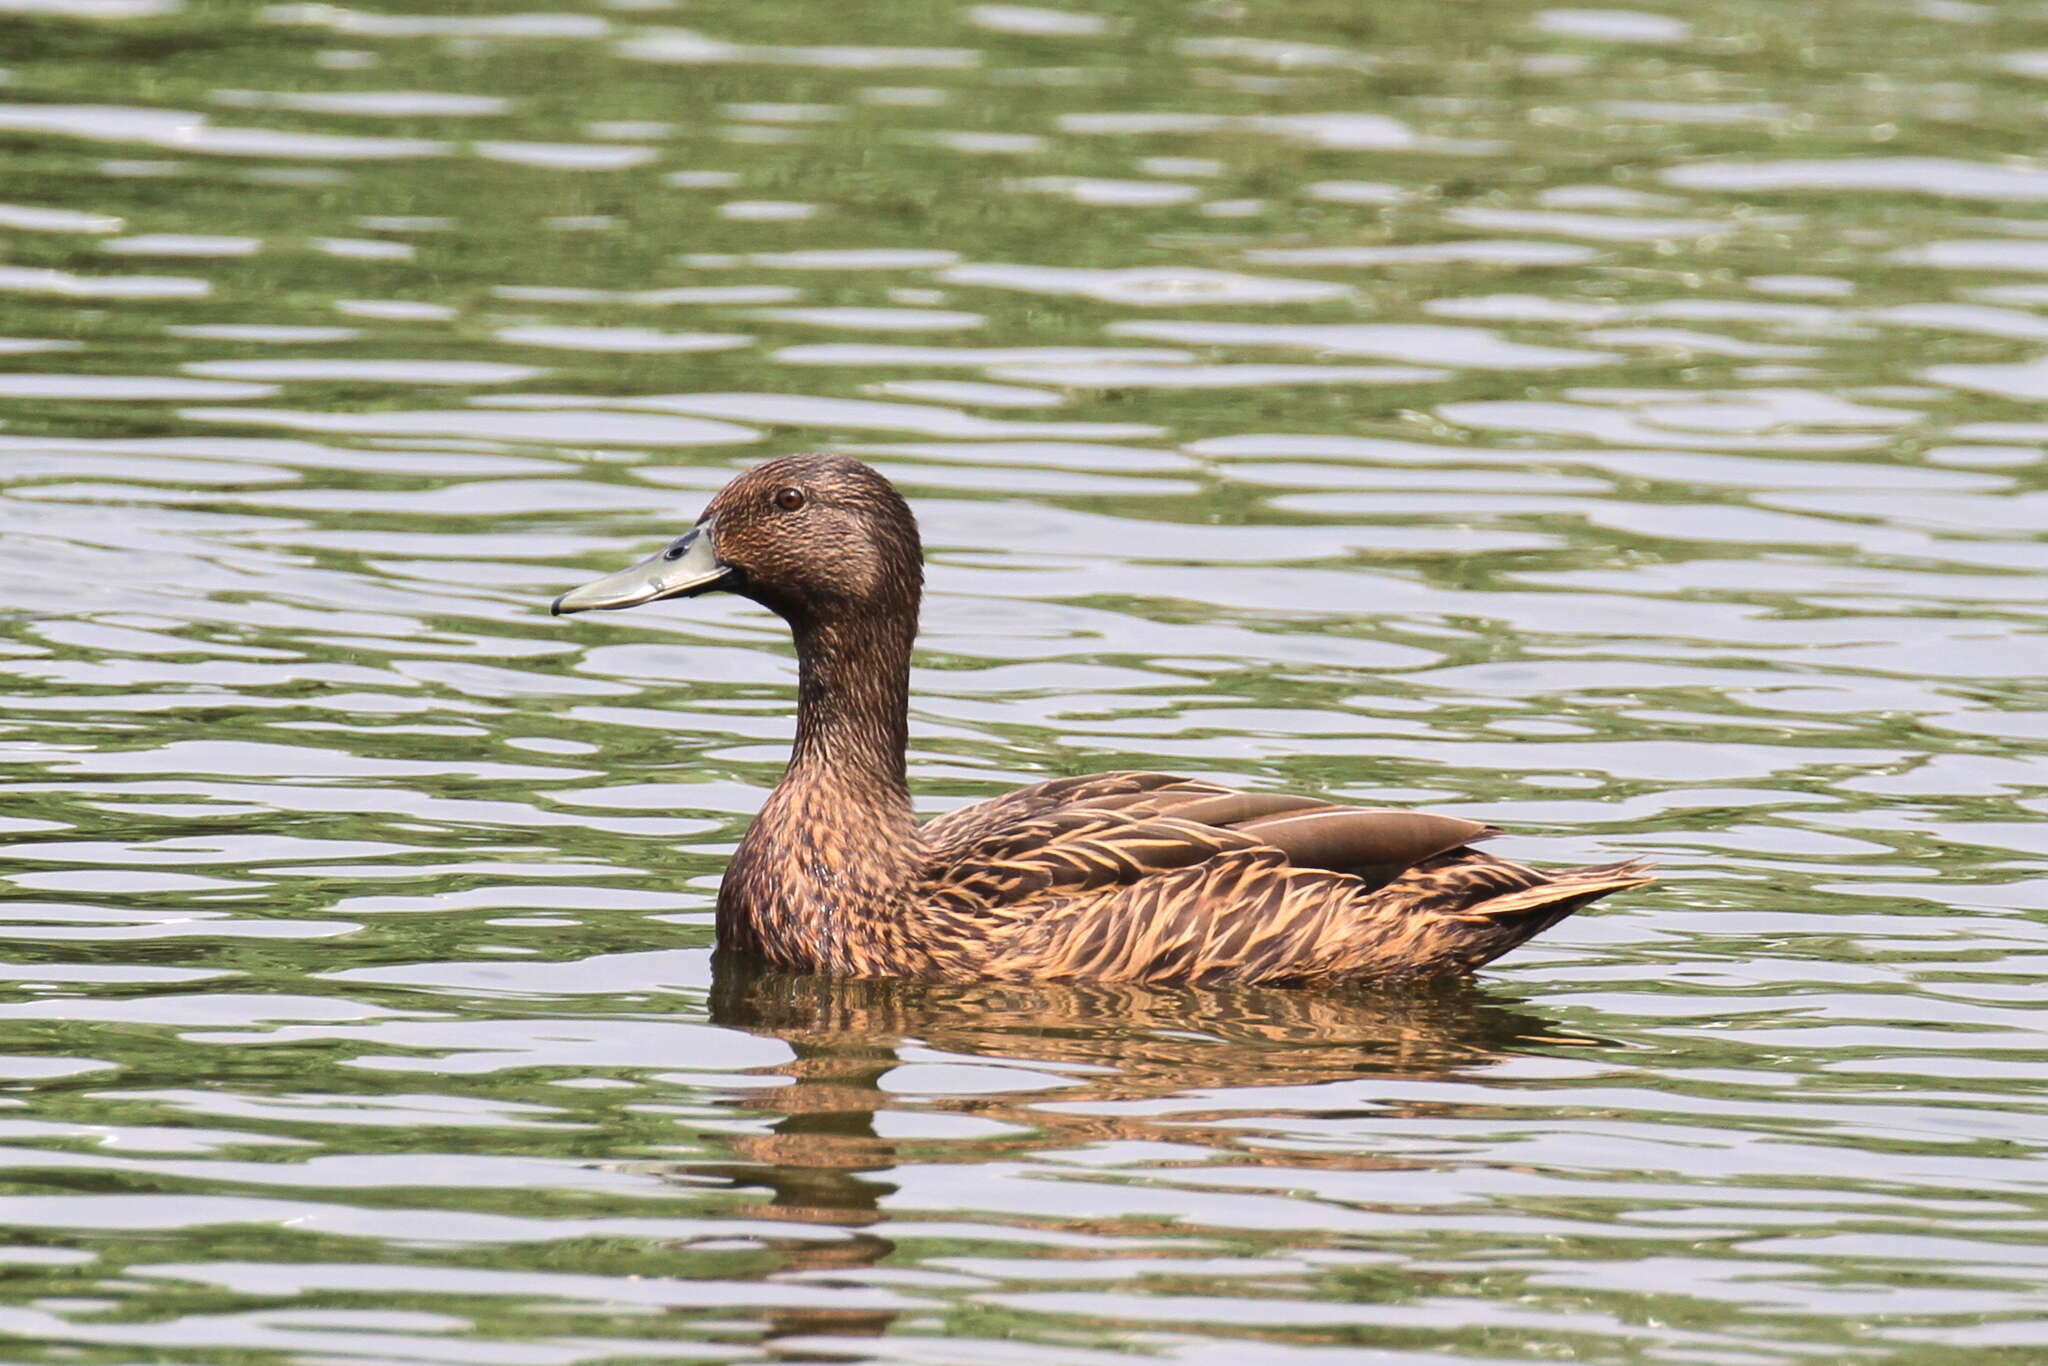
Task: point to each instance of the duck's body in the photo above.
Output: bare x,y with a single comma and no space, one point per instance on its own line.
1118,876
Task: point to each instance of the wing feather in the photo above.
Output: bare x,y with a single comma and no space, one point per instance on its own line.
1147,877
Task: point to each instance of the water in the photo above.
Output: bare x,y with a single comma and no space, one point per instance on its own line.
1622,426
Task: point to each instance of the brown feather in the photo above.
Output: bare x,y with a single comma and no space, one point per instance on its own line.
1231,808
1343,838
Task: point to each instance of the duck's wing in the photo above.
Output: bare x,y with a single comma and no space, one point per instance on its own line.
1163,885
1370,843
963,827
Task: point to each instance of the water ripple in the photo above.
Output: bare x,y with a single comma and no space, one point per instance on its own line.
1624,430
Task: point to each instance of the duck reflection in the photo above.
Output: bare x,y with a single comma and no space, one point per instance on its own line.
1119,1041
1077,1061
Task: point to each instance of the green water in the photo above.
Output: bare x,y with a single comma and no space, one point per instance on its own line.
1621,426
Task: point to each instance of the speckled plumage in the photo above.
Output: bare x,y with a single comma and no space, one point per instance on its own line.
1134,877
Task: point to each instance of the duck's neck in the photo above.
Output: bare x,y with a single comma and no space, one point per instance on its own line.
818,881
853,708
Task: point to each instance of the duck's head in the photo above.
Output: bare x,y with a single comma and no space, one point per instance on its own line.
805,536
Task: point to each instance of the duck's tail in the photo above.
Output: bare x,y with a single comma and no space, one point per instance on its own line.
1461,910
1518,913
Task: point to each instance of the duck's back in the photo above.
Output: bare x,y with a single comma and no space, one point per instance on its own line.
1149,877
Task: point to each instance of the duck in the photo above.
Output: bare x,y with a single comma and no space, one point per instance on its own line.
1138,877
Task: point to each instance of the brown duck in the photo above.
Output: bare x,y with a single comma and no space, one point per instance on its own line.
1138,877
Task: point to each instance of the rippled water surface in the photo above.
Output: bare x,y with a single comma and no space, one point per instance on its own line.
1621,425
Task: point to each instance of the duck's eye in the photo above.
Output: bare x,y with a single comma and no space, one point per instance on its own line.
789,500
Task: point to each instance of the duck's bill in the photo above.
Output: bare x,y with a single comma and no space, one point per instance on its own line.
685,568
